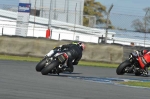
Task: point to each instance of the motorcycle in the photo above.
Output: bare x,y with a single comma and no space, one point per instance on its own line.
131,65
47,59
54,62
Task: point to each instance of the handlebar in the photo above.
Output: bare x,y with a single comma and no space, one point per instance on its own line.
134,54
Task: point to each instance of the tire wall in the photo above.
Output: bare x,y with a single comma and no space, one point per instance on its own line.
38,47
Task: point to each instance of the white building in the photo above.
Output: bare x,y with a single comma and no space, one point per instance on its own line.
70,11
60,30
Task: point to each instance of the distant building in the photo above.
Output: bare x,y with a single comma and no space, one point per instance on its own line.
70,11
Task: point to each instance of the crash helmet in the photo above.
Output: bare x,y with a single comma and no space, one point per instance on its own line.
82,45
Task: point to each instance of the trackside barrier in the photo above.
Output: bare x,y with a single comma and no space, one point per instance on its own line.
38,47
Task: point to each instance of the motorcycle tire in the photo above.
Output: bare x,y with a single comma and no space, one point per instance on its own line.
40,65
138,74
49,67
121,68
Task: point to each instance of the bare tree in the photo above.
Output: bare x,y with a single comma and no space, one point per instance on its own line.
144,24
138,25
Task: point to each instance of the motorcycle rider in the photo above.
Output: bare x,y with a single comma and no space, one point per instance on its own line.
74,52
144,60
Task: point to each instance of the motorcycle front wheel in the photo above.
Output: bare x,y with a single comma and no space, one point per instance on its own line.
121,68
41,65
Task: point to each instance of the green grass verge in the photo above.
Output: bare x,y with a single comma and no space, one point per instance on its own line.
19,58
100,64
136,83
35,59
81,63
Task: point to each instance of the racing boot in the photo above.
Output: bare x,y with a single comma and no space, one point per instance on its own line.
145,71
69,69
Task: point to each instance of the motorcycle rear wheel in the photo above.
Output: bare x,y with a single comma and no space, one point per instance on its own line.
49,67
138,74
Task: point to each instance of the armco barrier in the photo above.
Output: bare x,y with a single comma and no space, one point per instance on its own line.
38,47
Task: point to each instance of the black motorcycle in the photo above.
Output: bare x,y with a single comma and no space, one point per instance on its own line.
47,59
54,64
131,65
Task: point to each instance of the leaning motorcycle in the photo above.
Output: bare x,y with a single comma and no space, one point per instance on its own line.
56,65
54,62
47,59
131,65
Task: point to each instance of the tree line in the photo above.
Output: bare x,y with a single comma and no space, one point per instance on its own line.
98,11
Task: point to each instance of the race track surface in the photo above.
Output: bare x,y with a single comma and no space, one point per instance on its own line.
19,80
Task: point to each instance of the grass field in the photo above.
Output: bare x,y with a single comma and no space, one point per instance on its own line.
135,83
81,63
35,59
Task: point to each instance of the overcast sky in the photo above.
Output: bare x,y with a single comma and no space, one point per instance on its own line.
120,6
127,6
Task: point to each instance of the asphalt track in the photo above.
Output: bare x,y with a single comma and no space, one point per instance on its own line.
19,80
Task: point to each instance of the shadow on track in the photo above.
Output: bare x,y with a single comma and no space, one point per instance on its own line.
64,74
101,79
135,75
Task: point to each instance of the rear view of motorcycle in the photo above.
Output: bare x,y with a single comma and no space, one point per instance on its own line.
47,59
54,63
131,65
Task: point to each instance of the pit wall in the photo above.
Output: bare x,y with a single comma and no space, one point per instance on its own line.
38,47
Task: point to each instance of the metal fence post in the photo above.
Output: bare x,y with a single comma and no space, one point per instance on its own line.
49,17
2,30
107,23
145,19
75,21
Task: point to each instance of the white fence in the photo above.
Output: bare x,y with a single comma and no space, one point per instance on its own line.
60,30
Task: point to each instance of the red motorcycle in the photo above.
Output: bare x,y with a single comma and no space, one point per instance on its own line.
134,64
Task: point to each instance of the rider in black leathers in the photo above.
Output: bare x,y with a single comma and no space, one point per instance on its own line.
74,52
